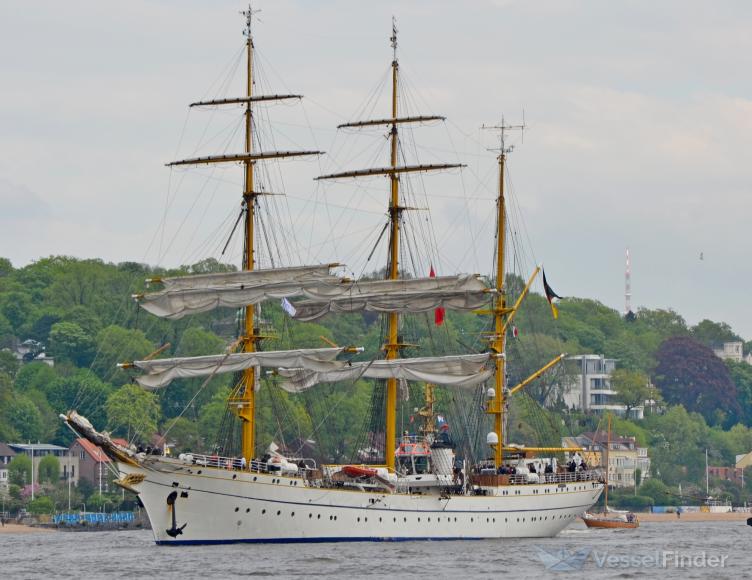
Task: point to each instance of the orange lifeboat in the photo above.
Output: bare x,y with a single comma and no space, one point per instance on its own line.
358,471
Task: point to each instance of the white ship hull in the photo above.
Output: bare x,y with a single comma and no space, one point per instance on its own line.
225,506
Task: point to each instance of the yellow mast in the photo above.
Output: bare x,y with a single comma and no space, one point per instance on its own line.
390,442
243,399
246,405
392,345
497,405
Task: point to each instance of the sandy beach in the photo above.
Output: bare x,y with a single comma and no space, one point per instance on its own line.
695,517
22,529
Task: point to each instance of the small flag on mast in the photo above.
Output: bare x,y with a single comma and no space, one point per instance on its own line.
438,314
550,295
288,307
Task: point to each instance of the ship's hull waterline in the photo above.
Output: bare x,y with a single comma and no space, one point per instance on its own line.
207,505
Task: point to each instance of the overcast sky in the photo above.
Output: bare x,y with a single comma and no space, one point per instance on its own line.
639,122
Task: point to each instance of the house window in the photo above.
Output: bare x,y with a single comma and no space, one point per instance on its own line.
82,455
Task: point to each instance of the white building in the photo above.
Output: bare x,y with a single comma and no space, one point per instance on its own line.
590,389
733,351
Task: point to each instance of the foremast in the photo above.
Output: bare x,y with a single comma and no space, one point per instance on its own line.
392,346
243,398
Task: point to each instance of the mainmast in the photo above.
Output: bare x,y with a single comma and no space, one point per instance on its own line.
243,400
392,345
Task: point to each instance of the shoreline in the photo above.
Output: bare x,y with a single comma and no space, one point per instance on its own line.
9,528
693,517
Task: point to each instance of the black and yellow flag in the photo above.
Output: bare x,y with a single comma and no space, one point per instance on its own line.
550,295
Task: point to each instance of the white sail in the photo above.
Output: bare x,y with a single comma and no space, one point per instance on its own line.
160,373
456,371
193,294
413,295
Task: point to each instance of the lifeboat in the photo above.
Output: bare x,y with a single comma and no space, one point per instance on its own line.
359,471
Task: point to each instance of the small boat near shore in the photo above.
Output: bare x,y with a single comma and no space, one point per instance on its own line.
610,518
607,520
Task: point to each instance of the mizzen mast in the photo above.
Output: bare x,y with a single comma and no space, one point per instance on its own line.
497,405
242,399
394,170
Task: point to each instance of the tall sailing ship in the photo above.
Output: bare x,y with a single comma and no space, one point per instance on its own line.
422,489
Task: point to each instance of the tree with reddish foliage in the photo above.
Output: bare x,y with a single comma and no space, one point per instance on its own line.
689,374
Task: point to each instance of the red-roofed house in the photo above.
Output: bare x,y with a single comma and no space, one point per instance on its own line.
93,463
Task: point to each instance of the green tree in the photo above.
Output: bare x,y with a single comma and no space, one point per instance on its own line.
8,363
41,505
183,434
631,388
69,340
117,344
133,412
24,416
19,470
712,333
81,391
6,268
49,469
35,376
658,491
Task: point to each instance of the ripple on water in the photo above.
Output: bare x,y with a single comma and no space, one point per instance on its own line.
134,554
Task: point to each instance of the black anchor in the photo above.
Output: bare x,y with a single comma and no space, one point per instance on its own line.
174,531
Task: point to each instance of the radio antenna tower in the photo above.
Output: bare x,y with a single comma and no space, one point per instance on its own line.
628,288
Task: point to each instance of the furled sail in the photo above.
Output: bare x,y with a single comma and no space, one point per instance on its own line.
193,294
404,296
455,371
160,373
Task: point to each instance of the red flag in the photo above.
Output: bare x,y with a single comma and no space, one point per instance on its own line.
438,314
515,332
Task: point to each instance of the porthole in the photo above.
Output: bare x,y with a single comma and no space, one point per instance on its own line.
335,518
366,519
472,520
199,472
331,518
404,519
310,516
234,475
358,519
263,512
237,508
379,519
255,478
418,519
318,517
292,515
395,520
279,512
247,510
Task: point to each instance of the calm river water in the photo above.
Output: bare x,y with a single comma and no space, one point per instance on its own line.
666,550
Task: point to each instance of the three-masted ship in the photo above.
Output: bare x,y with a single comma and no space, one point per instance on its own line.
422,490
